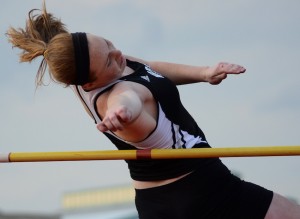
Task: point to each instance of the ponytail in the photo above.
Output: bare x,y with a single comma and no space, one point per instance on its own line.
46,36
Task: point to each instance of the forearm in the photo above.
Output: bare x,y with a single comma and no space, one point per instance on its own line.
180,73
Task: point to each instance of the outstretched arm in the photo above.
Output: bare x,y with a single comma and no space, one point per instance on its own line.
187,74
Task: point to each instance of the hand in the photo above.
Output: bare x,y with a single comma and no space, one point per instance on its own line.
216,74
115,119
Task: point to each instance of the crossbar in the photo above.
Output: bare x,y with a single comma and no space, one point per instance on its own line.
149,154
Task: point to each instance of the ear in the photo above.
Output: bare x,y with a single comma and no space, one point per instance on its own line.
88,86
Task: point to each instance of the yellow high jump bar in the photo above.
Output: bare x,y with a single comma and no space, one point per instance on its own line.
149,154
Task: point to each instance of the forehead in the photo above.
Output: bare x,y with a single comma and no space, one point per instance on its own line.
96,43
98,51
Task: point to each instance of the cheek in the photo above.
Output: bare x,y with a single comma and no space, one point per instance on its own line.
93,73
115,66
93,77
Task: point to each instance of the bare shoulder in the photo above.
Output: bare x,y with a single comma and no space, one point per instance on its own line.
129,86
124,88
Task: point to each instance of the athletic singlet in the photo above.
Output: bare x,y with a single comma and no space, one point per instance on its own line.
175,126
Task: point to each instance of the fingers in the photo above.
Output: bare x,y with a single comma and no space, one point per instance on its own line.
114,121
218,79
101,127
108,125
229,68
220,71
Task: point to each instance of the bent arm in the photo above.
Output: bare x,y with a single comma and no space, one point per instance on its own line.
129,111
187,74
123,107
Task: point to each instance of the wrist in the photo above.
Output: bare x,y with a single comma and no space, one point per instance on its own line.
204,75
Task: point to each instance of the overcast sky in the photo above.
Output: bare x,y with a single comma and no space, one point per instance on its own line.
259,108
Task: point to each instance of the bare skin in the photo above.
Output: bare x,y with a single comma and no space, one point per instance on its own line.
282,208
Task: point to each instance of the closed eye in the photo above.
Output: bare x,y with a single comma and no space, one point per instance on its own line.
108,62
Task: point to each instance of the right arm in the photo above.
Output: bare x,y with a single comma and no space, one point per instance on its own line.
129,110
123,106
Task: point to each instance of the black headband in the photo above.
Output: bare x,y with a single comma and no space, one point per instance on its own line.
82,58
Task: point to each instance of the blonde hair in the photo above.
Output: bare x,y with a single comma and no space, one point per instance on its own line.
44,35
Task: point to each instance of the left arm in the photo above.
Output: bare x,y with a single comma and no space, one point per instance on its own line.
187,74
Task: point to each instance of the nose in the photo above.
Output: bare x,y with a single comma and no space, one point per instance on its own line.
118,55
